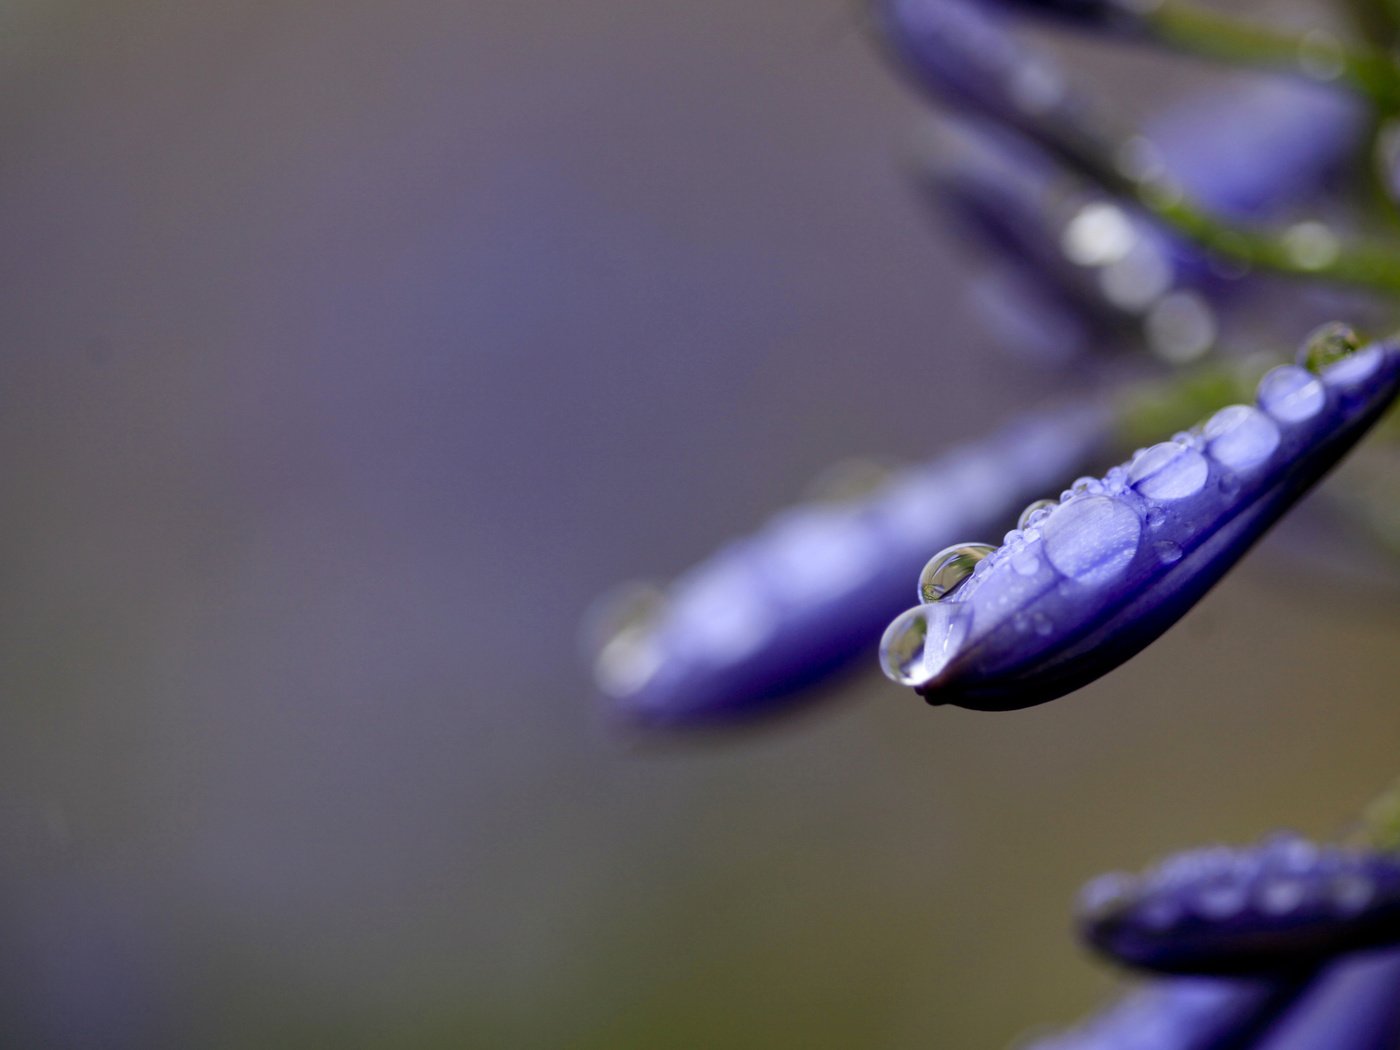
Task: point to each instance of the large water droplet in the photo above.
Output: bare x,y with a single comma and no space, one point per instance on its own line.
1241,437
921,642
1328,344
620,632
1169,471
1291,394
950,567
1035,513
1092,540
1352,371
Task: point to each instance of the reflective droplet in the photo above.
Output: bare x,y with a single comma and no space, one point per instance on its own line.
1035,513
1168,471
1219,900
1279,896
1042,625
950,567
1092,540
1241,437
1291,394
1327,345
1086,486
619,631
1156,516
1115,481
1352,371
1351,892
1168,552
921,641
1229,483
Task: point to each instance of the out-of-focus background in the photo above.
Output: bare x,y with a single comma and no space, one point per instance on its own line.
348,351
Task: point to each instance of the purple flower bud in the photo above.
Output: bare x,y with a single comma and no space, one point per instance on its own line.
1285,904
1353,1005
963,52
772,615
1084,586
1182,1014
1265,144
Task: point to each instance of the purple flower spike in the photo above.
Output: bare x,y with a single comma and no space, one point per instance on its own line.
772,615
1284,904
963,52
1181,1014
1085,585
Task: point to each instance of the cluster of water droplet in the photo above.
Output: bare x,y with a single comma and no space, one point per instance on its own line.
1096,530
1210,908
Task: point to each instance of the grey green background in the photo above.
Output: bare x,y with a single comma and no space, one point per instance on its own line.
348,350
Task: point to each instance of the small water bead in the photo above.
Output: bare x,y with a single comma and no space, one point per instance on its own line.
949,568
1241,437
1281,895
1350,892
1168,552
1352,371
1115,482
1155,517
1169,471
1035,513
1327,345
921,642
1229,484
1291,394
1025,562
1042,624
1092,539
620,631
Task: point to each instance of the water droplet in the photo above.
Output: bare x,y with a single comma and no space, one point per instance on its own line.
1279,896
1115,481
1291,394
1106,893
1351,892
1220,900
950,567
1021,622
1351,372
1035,513
1156,516
1042,624
1328,344
1025,562
1241,437
1093,539
1168,552
1312,245
1169,471
1100,234
1181,327
620,631
921,642
1229,484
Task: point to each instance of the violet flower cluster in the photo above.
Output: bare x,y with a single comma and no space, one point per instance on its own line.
1166,250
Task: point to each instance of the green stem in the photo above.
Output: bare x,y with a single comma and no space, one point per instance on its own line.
1308,250
1316,55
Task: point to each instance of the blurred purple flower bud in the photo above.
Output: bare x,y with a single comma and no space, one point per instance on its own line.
1264,145
1181,1014
1284,904
964,53
1085,585
772,615
1353,1005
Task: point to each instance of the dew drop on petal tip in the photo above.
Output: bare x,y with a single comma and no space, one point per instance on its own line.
1327,345
947,569
1241,437
1169,471
1352,371
921,642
